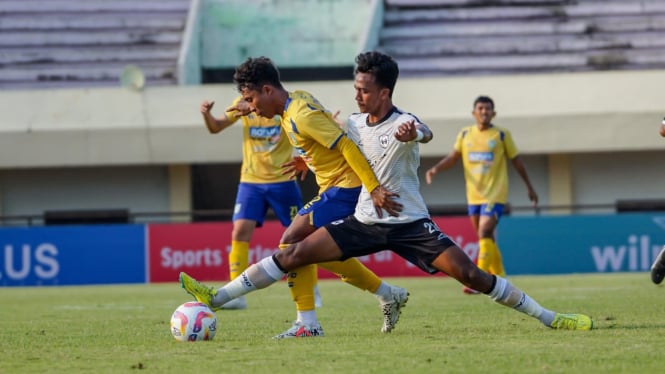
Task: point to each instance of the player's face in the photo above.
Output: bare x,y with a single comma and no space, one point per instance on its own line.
483,113
260,101
369,96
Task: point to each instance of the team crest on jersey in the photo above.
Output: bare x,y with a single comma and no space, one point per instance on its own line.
491,143
383,140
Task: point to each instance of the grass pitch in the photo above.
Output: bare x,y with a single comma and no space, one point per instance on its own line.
109,329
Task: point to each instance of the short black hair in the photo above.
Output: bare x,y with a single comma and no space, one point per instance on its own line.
255,72
381,66
483,99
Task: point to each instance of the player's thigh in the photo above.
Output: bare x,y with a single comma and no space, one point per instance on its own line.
475,219
317,247
489,217
243,229
298,230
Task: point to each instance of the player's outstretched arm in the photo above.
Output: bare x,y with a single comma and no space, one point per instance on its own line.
213,124
446,163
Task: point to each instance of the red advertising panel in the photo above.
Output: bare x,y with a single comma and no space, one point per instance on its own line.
201,249
461,231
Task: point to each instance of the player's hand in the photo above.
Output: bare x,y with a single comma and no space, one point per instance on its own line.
295,167
338,121
384,199
429,175
206,106
533,197
242,107
406,132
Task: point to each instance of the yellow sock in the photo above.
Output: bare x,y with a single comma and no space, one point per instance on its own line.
355,273
485,252
301,283
497,262
238,258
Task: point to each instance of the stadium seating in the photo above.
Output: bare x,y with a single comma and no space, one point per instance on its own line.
515,36
73,43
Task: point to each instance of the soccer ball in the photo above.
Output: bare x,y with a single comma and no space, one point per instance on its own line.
193,321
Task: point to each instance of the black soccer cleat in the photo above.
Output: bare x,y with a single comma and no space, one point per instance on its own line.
658,268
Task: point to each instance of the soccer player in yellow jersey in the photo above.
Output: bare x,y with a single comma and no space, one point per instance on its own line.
262,183
340,170
485,149
387,136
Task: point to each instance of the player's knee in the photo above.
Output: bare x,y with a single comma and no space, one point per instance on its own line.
474,277
294,235
290,258
467,275
486,231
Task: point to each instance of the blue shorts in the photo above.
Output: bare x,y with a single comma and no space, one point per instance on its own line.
495,210
253,200
333,204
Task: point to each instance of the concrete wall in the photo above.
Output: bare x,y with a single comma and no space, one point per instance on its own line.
549,113
598,130
237,29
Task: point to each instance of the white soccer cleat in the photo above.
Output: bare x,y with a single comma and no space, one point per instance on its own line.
392,310
301,330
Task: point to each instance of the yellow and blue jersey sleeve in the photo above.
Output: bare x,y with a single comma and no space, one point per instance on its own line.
314,134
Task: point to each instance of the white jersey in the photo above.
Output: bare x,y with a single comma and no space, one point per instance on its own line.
395,164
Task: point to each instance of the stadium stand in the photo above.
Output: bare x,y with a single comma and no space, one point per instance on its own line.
454,37
70,43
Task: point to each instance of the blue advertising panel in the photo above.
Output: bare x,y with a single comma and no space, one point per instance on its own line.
580,244
69,255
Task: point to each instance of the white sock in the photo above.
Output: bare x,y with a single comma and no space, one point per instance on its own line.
506,294
308,317
383,293
257,276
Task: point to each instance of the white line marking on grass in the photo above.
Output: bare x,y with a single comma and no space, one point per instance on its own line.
98,306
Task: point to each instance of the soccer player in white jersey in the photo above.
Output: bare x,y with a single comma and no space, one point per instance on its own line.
389,139
340,170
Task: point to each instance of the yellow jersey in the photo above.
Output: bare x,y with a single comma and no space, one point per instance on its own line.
484,155
314,133
264,148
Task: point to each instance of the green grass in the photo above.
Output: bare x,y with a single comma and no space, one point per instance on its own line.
108,329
